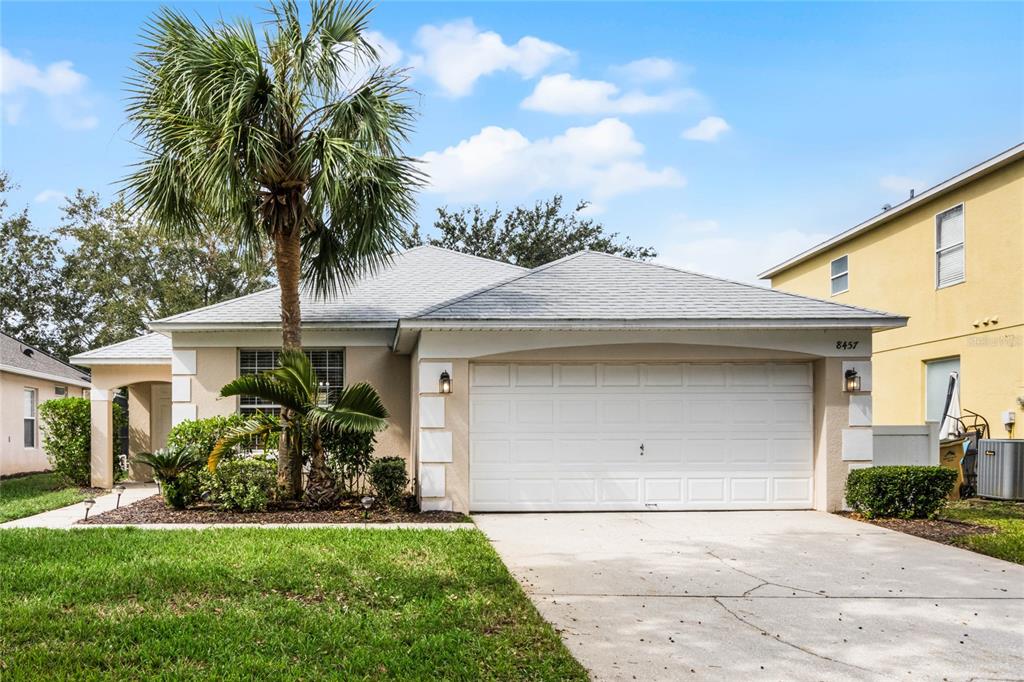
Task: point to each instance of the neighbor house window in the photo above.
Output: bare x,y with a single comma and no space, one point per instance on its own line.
329,365
949,247
30,417
840,274
60,391
937,386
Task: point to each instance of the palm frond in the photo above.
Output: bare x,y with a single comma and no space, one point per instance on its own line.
261,427
357,407
269,387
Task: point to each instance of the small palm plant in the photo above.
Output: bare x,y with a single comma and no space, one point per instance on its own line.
307,410
175,470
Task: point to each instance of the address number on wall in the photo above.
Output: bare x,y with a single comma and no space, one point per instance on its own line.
846,345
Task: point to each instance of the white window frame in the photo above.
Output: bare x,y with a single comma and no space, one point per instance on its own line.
33,417
60,391
962,244
832,278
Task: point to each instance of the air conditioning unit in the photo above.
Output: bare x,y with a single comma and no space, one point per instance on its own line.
1001,468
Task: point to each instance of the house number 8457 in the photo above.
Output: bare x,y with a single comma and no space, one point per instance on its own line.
846,345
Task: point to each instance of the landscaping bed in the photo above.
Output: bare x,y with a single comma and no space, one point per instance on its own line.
939,530
153,510
269,604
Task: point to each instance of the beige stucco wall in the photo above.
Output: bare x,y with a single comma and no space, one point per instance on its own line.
389,374
831,406
981,320
15,458
214,368
139,428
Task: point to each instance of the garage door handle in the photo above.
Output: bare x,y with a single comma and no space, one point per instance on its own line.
641,449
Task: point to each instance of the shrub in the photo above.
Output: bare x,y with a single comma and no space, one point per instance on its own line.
349,455
244,484
903,492
176,470
200,435
67,437
389,479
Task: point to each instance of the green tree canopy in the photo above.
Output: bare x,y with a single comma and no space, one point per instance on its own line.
525,236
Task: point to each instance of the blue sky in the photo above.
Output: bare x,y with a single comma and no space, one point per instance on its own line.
729,135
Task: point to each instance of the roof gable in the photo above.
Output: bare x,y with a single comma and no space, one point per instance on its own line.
597,286
149,349
414,281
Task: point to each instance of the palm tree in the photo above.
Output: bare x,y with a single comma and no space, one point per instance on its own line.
294,386
262,136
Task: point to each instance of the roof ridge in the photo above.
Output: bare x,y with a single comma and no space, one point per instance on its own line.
495,285
463,253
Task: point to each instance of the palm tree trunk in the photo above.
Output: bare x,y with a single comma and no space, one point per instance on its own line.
322,488
287,257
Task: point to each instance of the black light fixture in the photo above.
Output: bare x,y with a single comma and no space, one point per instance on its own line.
445,383
88,505
367,503
119,489
852,383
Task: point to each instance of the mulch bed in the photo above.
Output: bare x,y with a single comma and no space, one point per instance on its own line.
153,510
939,530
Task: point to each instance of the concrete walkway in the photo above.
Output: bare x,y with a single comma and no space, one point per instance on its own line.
764,596
66,517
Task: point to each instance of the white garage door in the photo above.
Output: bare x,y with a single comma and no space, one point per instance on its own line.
640,436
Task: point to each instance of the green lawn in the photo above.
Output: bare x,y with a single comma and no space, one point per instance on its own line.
1008,517
267,604
28,495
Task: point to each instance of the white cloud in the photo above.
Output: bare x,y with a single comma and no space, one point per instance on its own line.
738,258
708,130
600,162
458,53
563,94
648,70
900,183
58,83
48,195
389,54
388,51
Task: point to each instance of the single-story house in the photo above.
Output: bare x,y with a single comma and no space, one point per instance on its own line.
29,377
591,383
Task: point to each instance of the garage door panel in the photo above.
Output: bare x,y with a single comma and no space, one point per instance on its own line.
568,436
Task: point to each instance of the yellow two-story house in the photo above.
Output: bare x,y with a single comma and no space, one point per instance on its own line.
951,259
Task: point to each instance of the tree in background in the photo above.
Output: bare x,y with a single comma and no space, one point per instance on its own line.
265,133
27,277
120,273
107,276
525,236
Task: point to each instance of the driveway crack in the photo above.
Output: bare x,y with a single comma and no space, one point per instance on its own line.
761,580
780,640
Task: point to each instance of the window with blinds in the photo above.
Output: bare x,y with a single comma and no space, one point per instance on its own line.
328,363
949,247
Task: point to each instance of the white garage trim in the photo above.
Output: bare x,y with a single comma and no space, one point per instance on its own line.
595,436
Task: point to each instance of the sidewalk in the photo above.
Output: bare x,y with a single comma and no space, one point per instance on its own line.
66,517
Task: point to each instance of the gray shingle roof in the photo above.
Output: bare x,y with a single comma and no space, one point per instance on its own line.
35,362
415,281
596,286
154,347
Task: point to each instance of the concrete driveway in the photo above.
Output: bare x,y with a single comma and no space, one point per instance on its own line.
764,595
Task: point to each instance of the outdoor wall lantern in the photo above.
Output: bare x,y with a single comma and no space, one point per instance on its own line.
119,489
445,383
852,383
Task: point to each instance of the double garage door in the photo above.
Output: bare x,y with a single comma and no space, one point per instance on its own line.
596,436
